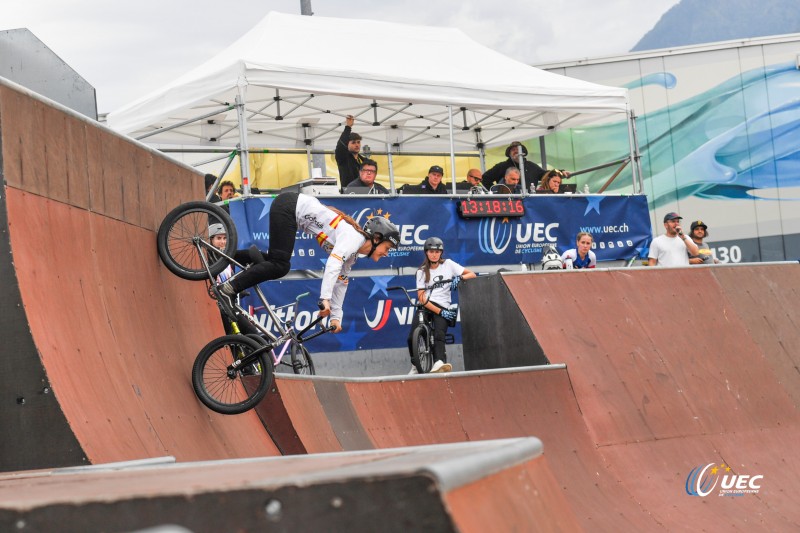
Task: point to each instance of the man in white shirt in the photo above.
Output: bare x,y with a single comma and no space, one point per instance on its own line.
672,248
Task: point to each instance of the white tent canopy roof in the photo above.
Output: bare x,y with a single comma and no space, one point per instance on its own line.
396,79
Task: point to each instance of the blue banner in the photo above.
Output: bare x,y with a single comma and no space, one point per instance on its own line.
374,317
620,226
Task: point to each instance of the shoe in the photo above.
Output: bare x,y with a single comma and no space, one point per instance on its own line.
413,371
439,366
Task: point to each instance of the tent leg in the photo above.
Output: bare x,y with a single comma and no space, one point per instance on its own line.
244,153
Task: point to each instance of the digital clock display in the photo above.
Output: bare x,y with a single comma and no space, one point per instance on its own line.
487,207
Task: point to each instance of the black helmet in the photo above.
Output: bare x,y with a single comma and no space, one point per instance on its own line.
381,226
433,243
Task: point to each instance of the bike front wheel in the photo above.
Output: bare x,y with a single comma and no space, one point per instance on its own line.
422,349
301,360
183,242
231,392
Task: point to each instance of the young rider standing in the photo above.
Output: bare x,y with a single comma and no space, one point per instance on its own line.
437,299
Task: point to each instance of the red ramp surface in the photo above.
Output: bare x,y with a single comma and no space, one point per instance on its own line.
98,337
666,371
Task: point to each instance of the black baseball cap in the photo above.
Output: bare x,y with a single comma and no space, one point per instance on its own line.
672,216
436,168
699,224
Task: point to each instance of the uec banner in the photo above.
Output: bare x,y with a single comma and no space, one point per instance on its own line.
374,316
620,226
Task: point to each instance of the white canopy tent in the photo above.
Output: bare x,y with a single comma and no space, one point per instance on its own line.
291,80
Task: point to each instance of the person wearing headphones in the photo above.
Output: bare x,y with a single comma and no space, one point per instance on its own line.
437,298
337,233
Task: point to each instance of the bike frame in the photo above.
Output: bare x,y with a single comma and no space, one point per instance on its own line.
286,332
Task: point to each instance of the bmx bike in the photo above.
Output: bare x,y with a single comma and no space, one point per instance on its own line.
422,336
232,373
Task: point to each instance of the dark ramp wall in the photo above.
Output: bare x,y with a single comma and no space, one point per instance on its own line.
98,338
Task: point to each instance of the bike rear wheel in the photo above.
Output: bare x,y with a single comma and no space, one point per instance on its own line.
231,392
184,229
301,360
422,349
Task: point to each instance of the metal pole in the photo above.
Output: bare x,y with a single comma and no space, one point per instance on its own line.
305,7
636,168
452,147
309,157
392,189
244,154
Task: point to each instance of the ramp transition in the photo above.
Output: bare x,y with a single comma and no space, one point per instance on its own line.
98,337
660,372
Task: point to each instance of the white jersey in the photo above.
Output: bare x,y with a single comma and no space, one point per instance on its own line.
572,255
669,251
339,239
447,270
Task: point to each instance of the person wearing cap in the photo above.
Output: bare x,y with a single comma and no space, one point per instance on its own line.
698,232
515,153
365,184
674,247
432,184
347,154
219,239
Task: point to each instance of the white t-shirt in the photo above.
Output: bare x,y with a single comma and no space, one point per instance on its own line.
447,270
669,251
337,238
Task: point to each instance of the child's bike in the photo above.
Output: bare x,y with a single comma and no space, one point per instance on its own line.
422,336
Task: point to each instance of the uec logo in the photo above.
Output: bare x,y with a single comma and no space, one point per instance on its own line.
493,239
702,480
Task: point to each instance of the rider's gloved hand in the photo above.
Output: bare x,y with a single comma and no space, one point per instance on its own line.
449,314
454,283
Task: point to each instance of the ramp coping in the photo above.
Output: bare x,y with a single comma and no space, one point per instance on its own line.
640,267
406,377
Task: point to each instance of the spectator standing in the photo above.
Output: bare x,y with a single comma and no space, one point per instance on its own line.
437,300
515,151
432,184
582,255
347,154
226,190
672,248
698,232
365,184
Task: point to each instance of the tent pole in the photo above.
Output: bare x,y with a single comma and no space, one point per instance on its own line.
392,190
244,153
636,168
309,157
481,149
452,147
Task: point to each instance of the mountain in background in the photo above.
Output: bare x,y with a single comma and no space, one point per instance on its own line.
708,21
